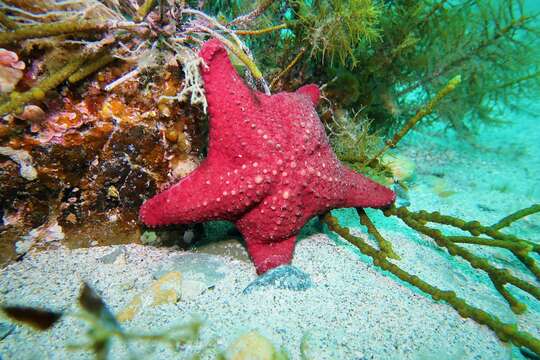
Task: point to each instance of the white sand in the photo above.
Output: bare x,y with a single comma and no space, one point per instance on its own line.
354,311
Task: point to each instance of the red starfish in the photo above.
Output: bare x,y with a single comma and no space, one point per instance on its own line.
269,168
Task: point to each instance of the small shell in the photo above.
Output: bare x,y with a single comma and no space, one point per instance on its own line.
10,59
32,113
10,70
9,78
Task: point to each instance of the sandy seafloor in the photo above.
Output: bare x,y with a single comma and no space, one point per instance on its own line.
354,311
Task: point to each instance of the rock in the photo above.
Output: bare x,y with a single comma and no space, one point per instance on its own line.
232,248
32,113
174,235
113,256
46,233
129,312
441,187
166,290
200,272
252,346
183,167
283,277
23,159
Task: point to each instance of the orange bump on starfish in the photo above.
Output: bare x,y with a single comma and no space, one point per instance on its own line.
269,168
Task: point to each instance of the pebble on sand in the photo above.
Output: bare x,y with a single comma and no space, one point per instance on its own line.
166,290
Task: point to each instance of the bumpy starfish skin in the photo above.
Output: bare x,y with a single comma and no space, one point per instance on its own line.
269,167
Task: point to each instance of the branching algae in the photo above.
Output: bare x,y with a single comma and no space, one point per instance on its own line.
103,327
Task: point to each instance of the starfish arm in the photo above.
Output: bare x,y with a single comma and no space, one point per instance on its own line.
363,192
269,255
225,89
211,192
312,91
230,100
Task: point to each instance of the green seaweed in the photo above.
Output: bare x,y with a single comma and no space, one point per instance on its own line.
508,220
7,22
416,220
58,28
102,325
420,114
385,247
506,332
91,67
402,52
17,100
103,328
334,28
145,9
492,44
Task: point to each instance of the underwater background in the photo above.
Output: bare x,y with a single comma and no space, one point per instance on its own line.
106,104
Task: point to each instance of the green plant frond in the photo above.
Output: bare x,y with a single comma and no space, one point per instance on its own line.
335,28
